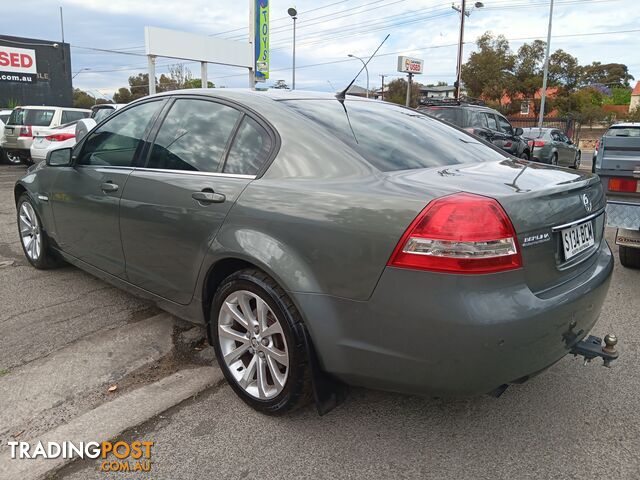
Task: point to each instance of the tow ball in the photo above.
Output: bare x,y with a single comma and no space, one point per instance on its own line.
592,347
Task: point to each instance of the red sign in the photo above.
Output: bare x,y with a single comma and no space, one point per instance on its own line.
17,60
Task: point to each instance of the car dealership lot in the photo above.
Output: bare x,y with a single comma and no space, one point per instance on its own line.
570,422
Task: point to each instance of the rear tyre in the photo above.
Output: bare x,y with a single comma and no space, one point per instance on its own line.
33,239
259,342
554,159
10,158
629,256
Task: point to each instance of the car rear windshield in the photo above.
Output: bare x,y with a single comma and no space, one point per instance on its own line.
448,114
623,132
395,138
533,132
35,118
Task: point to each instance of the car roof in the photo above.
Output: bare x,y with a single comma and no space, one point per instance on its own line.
45,107
625,124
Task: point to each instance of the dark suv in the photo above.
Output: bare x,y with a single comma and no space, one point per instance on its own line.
482,121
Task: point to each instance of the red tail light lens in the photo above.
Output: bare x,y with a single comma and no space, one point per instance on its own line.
597,144
25,131
459,233
60,137
539,143
624,185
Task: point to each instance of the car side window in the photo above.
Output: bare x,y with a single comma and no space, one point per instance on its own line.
491,121
504,124
556,137
193,136
250,148
120,139
477,119
69,116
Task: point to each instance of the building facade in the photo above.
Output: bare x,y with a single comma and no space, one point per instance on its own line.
34,72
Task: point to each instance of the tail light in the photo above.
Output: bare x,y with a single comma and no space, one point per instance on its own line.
25,131
459,233
60,137
508,144
629,185
538,143
597,144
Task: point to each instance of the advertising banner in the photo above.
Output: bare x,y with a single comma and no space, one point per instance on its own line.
262,40
17,65
410,65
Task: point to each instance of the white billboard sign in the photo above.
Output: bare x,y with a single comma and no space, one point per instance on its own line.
163,42
17,60
410,65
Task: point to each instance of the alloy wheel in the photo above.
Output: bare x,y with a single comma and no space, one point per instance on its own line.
13,159
253,344
30,233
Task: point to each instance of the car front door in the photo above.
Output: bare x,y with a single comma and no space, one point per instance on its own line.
85,197
204,154
561,147
495,135
511,142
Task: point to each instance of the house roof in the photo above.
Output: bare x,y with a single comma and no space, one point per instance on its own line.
438,88
636,90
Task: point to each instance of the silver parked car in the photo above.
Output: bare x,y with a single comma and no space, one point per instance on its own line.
552,146
324,240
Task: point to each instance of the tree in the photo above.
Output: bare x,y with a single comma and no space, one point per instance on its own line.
396,92
564,70
609,74
585,104
82,99
486,73
528,70
280,84
197,83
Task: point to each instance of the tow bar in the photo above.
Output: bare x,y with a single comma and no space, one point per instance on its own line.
591,347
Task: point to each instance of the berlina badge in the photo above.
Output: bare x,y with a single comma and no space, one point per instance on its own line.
588,206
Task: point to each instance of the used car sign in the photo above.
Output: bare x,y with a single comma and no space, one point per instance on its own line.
17,60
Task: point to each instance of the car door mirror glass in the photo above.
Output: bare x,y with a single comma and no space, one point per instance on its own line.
59,158
518,131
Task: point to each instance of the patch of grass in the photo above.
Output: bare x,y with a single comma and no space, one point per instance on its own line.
3,371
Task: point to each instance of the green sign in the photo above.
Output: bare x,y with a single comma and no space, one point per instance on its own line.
262,40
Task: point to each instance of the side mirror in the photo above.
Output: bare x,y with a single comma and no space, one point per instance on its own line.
59,158
570,142
518,131
84,126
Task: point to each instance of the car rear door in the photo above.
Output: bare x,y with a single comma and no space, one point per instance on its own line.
204,154
495,136
86,196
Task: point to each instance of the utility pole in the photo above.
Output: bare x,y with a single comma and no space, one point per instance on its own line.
382,91
463,14
252,43
293,13
64,62
543,95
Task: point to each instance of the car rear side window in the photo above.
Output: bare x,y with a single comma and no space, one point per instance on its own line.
250,149
476,119
102,113
491,121
193,136
448,114
395,138
120,139
4,118
69,116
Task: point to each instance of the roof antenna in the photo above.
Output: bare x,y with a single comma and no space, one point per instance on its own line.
341,95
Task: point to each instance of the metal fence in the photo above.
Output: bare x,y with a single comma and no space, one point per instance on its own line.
570,126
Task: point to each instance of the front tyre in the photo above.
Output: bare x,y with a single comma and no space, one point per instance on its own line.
35,244
629,256
259,341
577,160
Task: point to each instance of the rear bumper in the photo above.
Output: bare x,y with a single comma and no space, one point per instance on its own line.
452,335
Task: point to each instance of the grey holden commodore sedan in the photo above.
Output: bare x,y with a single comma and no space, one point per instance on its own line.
327,240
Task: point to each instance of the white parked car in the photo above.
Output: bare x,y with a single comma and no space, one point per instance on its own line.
4,117
27,122
65,135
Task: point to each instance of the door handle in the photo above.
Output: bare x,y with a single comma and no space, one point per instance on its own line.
108,187
208,196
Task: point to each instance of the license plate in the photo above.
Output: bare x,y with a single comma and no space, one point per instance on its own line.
9,130
577,239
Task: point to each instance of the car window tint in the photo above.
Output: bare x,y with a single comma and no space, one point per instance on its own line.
477,119
447,114
38,118
623,132
391,137
491,121
4,118
505,126
193,136
250,149
102,113
556,137
69,116
117,142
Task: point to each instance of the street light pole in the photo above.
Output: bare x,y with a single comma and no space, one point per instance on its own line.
79,72
293,13
543,95
365,69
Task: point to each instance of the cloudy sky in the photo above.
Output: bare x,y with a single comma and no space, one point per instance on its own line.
328,30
